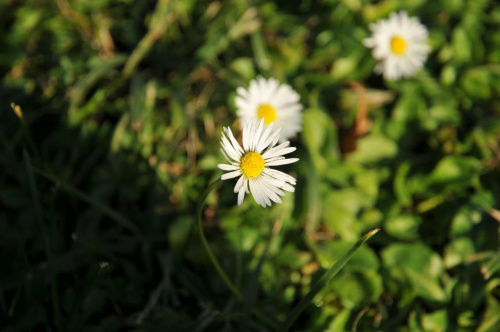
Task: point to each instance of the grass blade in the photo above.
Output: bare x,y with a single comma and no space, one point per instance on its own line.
324,280
39,218
92,202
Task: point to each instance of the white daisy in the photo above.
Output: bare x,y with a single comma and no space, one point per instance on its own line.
252,163
400,43
272,101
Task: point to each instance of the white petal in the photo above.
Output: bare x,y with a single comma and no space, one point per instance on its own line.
257,135
260,190
245,184
273,185
245,135
282,98
281,184
242,92
272,138
233,140
240,102
225,155
253,90
279,175
276,139
239,184
288,187
254,189
282,162
226,167
268,192
228,148
273,159
276,150
263,138
241,195
230,175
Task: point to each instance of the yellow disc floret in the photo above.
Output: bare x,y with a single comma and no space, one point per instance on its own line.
267,112
252,164
398,45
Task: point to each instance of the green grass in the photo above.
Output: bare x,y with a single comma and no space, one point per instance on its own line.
123,105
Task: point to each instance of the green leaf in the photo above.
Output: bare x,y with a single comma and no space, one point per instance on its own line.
491,319
320,137
417,266
436,321
408,106
461,45
356,289
476,82
425,286
483,201
340,321
458,251
244,67
441,114
372,149
403,227
368,182
340,210
453,172
346,67
464,220
401,188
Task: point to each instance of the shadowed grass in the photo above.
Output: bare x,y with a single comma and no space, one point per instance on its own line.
45,234
126,223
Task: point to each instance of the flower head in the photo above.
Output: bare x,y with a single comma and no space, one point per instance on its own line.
252,163
274,102
400,43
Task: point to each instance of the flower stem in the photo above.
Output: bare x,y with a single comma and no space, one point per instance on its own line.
220,271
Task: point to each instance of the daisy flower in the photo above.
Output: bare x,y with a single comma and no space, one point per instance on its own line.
274,102
400,43
252,163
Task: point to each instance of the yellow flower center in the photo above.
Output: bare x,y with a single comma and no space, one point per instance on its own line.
252,164
398,45
267,112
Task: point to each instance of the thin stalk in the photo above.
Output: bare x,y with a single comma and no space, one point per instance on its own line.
218,268
324,280
45,235
31,143
251,290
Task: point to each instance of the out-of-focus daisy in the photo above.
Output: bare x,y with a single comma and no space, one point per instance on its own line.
274,102
252,163
400,43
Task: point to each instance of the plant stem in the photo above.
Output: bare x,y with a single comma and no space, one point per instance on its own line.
210,254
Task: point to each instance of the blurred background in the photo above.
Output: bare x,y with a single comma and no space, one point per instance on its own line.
111,113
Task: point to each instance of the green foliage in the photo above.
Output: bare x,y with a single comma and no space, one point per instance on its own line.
116,137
